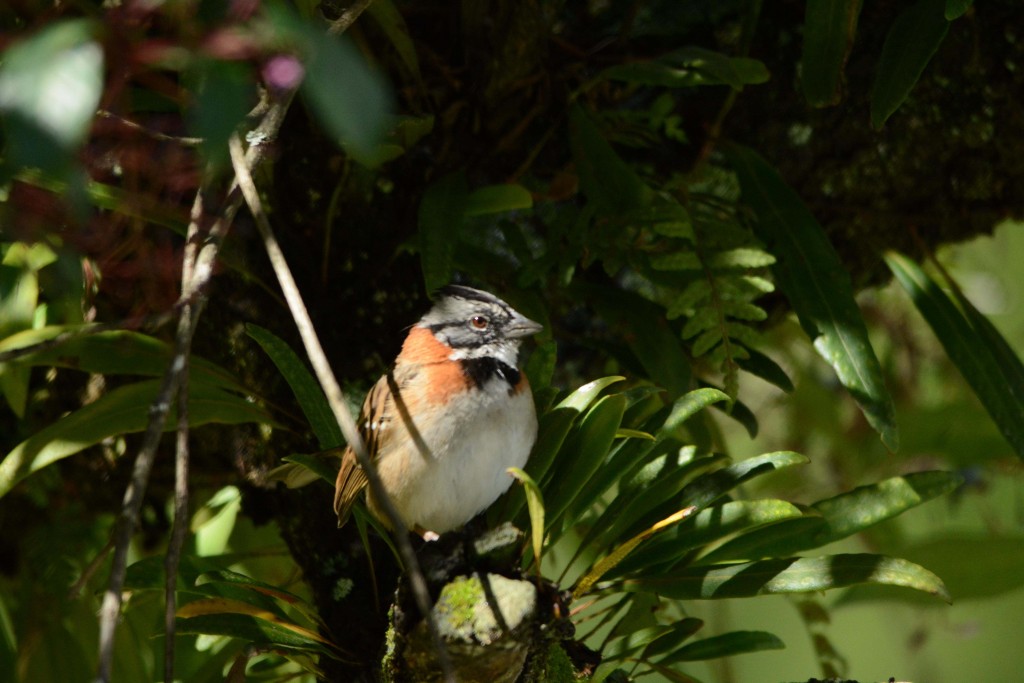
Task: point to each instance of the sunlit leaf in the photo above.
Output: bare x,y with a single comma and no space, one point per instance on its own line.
978,351
589,449
50,86
814,280
119,352
838,517
120,411
913,38
253,628
607,563
708,526
535,504
788,575
972,567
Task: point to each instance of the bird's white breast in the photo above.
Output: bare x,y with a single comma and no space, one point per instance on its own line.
482,434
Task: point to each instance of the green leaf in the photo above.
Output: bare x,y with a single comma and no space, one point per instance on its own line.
589,449
622,647
617,555
117,352
680,632
708,526
913,38
351,101
609,184
121,411
251,628
319,465
497,199
814,280
725,645
829,29
712,486
580,399
394,27
980,354
307,390
973,567
840,517
535,504
788,575
767,369
957,8
440,225
688,406
50,87
689,67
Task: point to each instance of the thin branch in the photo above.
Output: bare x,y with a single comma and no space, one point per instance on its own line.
336,399
181,455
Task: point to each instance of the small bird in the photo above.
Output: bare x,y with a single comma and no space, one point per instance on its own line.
455,412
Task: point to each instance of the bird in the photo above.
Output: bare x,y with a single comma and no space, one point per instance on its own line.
455,412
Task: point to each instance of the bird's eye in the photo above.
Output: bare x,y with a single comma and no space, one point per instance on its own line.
479,322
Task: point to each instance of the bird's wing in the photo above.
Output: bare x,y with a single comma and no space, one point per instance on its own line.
373,428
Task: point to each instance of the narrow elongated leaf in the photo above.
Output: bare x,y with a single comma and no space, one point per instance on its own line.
812,276
322,465
913,38
440,224
252,628
111,353
838,517
979,353
497,199
712,486
606,564
829,30
767,369
689,405
789,575
392,23
706,527
351,101
622,647
973,567
671,674
606,180
582,397
589,451
121,411
535,504
307,390
681,631
725,645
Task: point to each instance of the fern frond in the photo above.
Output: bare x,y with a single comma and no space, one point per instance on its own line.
724,268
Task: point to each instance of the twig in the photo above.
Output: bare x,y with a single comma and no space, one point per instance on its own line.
336,399
181,453
127,520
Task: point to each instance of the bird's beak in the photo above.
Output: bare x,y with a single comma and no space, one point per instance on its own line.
521,326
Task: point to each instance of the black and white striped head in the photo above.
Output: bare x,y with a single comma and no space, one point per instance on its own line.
476,324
